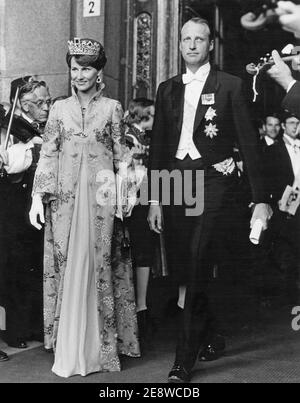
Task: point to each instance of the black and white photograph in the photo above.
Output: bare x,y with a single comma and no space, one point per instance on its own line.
149,194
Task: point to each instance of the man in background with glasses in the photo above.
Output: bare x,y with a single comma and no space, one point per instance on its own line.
21,246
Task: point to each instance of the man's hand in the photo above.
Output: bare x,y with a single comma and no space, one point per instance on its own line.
253,23
289,17
37,210
262,212
3,156
155,219
280,72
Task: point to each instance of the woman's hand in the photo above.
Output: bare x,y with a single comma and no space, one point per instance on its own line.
37,210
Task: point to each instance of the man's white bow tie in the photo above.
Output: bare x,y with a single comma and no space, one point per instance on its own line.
190,77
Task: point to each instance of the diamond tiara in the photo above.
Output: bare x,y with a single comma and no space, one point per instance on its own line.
83,47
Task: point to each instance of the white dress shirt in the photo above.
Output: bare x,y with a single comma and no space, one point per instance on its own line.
291,86
269,141
293,147
194,84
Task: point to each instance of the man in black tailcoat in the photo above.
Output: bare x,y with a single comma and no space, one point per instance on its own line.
199,117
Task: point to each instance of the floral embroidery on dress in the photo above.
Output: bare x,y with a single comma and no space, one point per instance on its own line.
104,136
66,135
43,180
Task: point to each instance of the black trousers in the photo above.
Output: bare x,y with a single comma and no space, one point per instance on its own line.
21,267
189,241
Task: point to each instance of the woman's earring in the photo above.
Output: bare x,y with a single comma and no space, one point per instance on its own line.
99,80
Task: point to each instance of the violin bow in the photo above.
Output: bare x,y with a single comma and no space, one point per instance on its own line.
11,118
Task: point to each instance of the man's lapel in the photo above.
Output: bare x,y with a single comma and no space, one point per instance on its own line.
211,87
178,89
287,163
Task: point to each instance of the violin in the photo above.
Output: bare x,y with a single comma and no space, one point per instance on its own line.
20,128
288,54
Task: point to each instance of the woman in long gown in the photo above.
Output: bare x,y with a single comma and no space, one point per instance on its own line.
75,178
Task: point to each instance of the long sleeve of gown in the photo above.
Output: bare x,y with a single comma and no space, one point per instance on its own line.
46,176
119,156
118,136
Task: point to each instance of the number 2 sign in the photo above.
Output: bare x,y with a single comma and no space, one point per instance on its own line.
91,8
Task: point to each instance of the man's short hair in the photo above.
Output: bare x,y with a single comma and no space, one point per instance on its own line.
18,83
30,87
26,85
204,21
287,115
274,115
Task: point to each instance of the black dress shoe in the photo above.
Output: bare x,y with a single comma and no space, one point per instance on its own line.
3,356
213,350
22,345
179,374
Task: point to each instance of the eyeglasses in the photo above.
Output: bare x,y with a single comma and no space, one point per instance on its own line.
40,104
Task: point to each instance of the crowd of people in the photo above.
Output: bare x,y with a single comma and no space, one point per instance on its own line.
73,235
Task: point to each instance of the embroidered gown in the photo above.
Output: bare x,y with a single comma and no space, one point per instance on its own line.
89,311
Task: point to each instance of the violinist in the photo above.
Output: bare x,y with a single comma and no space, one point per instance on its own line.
20,244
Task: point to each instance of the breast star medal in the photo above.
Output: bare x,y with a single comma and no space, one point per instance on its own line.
211,130
210,114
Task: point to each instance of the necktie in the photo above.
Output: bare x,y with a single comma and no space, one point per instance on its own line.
190,77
